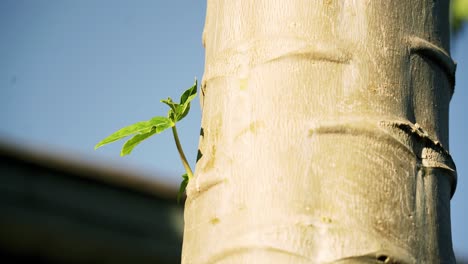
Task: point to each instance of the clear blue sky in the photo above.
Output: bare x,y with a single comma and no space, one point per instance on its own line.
71,72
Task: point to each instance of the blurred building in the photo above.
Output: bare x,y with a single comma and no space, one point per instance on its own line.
58,210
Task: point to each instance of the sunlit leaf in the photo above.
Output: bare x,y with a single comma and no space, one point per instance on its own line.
134,141
185,100
459,15
145,129
170,103
184,111
161,123
189,94
124,132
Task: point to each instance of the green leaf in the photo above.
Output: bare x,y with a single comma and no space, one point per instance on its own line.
459,15
179,111
173,113
170,103
124,132
135,140
183,186
183,111
161,123
185,99
189,94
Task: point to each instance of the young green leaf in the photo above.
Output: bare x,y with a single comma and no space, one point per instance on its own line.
185,108
179,111
183,186
171,114
135,140
156,125
124,132
189,94
185,100
161,123
170,103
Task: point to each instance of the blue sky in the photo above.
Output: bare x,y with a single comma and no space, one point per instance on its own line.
71,72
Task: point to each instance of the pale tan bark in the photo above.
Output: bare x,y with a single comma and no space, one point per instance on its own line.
325,134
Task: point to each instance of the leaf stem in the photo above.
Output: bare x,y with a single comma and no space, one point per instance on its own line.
181,153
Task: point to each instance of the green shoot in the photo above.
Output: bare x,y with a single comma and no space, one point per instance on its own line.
145,129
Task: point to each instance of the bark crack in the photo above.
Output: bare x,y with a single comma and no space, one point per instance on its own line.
429,152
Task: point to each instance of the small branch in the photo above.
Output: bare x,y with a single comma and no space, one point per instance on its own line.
181,153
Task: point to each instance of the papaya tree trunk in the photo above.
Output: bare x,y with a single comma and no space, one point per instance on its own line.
324,134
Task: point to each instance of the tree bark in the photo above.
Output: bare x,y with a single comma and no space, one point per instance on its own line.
324,134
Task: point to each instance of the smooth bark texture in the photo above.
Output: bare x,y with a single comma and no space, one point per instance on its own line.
324,134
